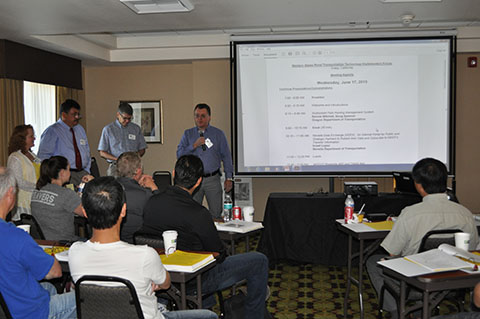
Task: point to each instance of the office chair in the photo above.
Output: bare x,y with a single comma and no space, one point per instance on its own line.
162,179
5,313
430,240
95,301
154,241
94,168
35,230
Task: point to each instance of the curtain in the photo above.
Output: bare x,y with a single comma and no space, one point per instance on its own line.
11,113
64,93
39,100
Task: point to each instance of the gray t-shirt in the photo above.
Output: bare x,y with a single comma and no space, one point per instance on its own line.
53,207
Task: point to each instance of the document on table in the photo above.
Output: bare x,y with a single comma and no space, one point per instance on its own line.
434,260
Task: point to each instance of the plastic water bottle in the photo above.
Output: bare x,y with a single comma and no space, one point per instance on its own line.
227,208
349,206
80,189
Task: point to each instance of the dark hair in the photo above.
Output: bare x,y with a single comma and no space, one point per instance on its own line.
67,105
18,138
126,108
103,199
188,169
50,169
431,174
202,106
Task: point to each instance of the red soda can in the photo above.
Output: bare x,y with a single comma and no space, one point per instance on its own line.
237,213
348,214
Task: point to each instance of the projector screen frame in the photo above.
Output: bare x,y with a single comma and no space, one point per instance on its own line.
340,173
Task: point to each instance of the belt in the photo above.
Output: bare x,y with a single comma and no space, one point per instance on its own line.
212,174
75,170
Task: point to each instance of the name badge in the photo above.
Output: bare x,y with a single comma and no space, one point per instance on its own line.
132,137
83,142
208,142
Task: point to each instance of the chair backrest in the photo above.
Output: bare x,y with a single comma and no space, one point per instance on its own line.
162,179
5,313
35,230
432,239
94,168
141,238
96,301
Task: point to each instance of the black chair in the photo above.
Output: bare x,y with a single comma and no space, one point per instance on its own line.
162,179
430,240
94,171
96,301
35,230
141,238
5,313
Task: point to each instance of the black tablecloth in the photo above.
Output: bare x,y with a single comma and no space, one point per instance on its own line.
302,229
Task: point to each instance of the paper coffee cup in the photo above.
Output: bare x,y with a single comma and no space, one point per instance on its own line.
25,228
248,212
170,241
462,240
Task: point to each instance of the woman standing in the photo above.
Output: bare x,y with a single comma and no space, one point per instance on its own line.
25,166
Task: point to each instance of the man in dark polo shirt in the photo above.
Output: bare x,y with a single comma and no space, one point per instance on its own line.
175,209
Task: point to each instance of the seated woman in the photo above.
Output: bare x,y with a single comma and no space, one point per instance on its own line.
24,165
53,205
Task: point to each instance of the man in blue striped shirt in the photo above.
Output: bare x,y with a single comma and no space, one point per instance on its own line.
67,138
210,145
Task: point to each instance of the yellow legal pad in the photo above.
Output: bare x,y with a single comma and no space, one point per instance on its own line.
55,250
185,261
385,225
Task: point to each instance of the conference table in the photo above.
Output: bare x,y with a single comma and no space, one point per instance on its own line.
300,227
439,283
361,233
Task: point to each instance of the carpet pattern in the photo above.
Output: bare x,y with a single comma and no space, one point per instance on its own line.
317,291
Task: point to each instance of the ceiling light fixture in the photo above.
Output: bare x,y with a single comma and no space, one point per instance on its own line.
158,6
400,1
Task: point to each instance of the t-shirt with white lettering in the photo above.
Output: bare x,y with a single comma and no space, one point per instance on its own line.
141,265
52,207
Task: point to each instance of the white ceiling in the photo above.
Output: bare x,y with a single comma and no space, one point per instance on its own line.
106,31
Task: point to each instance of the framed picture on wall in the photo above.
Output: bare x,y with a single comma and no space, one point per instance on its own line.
149,116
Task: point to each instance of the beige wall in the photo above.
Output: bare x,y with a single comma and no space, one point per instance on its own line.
468,133
181,85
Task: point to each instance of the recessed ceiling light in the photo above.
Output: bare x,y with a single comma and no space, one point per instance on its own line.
400,1
158,6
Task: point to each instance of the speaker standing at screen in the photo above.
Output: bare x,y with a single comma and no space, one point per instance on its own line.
210,144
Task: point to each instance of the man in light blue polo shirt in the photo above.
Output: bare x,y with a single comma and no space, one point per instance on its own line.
121,136
67,138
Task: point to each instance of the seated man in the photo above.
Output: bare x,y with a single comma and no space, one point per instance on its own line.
138,189
435,211
175,209
106,255
23,263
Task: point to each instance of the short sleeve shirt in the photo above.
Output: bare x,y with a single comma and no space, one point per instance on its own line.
117,139
22,264
52,207
434,212
141,265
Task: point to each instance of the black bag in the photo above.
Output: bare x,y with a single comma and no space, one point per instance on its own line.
235,307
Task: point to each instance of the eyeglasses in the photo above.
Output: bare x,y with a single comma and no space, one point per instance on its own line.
126,118
76,114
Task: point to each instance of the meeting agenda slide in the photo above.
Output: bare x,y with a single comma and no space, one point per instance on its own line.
342,106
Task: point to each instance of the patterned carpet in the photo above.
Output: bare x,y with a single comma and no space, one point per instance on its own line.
317,291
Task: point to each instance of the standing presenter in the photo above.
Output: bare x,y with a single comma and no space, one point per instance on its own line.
121,136
210,145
